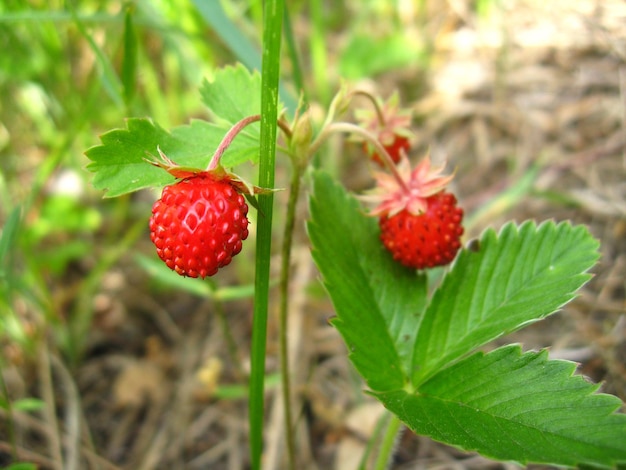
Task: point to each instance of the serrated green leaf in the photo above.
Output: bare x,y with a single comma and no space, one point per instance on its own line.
512,406
516,278
233,94
378,302
120,164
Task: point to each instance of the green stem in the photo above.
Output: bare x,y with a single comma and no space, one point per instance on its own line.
377,108
284,309
388,444
272,27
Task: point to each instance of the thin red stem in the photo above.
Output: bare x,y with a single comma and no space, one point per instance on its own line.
228,139
236,129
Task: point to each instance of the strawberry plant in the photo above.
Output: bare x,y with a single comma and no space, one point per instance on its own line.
420,342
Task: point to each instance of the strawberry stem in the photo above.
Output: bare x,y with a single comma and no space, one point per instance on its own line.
236,129
354,129
379,111
228,139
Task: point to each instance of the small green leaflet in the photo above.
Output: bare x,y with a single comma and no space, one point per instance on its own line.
233,94
120,165
518,277
378,301
523,407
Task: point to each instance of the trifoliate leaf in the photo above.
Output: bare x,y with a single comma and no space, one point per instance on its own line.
516,278
517,407
233,94
377,301
120,165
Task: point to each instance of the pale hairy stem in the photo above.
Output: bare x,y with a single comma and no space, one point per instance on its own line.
354,129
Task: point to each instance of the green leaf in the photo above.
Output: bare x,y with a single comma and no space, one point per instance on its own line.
233,94
512,406
120,164
378,302
516,278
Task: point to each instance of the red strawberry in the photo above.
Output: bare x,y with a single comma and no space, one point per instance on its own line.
419,221
398,144
429,239
390,125
199,224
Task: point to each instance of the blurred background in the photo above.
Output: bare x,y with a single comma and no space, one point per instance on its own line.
110,361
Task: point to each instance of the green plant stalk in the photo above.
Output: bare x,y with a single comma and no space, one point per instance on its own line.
388,443
272,28
290,220
381,425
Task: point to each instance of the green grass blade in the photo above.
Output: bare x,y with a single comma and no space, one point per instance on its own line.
110,81
243,49
294,56
129,62
7,238
272,28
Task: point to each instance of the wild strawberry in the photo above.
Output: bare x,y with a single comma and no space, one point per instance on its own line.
390,125
394,145
420,223
199,224
429,239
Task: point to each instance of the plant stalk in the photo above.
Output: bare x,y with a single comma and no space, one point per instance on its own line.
388,444
272,28
290,220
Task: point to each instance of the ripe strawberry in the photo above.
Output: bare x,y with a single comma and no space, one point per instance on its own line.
395,145
429,239
390,125
199,224
420,223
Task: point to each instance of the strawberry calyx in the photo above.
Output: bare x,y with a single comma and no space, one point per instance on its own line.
217,173
406,189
